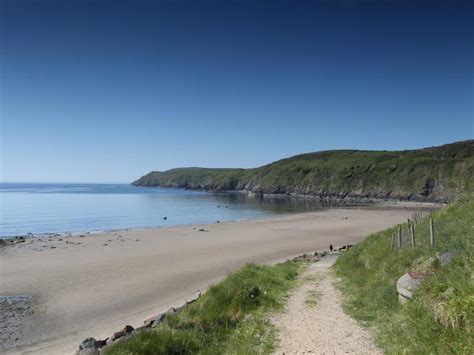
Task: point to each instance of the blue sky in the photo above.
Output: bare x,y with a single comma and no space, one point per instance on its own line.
105,91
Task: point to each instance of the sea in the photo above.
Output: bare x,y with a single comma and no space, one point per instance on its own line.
47,208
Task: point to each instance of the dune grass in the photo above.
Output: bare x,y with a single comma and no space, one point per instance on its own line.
229,318
440,318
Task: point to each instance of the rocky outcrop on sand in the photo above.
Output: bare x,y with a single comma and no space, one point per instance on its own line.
91,346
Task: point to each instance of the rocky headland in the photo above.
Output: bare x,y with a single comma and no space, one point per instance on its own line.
435,174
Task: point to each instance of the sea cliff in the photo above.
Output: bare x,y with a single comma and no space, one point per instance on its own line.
435,174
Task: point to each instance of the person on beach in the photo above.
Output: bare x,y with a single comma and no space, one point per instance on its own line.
331,248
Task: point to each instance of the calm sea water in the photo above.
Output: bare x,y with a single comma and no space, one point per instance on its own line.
54,208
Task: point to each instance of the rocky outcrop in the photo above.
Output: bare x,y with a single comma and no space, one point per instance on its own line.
12,241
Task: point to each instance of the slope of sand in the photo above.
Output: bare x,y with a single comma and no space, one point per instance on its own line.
95,284
313,321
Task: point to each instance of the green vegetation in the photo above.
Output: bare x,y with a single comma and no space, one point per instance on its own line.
431,174
440,318
312,298
228,318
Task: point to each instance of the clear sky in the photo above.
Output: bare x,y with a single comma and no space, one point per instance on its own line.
105,91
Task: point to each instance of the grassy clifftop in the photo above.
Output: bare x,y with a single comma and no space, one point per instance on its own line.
430,174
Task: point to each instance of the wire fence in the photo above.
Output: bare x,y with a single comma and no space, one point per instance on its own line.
426,230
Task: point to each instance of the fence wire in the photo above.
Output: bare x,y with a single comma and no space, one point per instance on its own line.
416,232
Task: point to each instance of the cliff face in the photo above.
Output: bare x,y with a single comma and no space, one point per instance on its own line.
430,174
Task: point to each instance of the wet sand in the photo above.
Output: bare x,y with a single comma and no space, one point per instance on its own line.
94,284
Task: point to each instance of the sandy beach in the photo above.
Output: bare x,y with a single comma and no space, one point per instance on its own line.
94,284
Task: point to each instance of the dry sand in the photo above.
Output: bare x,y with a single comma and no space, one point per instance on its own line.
95,284
313,321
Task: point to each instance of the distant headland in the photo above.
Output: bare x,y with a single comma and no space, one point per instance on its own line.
434,174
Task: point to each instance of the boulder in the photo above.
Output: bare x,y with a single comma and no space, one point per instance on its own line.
128,329
408,284
118,335
154,321
89,346
102,342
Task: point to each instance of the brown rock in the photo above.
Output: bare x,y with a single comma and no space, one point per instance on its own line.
118,335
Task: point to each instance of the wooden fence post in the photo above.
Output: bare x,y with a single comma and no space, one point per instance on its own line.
392,245
412,232
399,236
432,233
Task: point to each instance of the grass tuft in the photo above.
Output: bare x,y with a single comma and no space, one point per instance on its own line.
312,298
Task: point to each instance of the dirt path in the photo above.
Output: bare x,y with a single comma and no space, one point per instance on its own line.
313,320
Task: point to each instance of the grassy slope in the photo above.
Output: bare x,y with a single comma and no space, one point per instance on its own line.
228,318
440,318
437,173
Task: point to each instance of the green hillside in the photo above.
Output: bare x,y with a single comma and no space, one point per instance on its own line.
440,317
430,174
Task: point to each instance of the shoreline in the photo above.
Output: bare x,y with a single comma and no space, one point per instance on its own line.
383,204
343,198
97,283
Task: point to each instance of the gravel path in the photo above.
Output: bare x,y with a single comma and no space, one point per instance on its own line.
313,320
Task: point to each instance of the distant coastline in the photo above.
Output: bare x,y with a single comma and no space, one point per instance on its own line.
435,174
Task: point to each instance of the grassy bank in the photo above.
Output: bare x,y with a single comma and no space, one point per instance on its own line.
228,318
440,318
431,174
